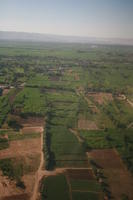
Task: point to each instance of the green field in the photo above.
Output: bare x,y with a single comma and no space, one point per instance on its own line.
86,196
111,138
4,109
85,185
30,101
55,187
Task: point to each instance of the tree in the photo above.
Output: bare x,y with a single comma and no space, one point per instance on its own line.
14,124
1,91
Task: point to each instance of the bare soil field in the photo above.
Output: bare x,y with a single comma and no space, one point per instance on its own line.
22,147
37,129
27,152
86,174
76,77
17,197
84,124
8,189
5,92
119,179
100,97
54,78
30,162
29,180
30,121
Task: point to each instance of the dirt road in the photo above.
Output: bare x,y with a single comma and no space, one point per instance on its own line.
128,101
39,174
131,103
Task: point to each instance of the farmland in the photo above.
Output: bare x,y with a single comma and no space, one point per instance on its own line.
65,110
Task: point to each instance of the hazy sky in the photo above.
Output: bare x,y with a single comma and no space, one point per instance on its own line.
96,18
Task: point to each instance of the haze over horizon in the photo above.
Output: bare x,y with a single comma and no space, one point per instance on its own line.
85,18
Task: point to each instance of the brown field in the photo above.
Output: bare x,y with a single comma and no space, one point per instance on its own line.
100,97
86,174
28,153
76,77
8,189
22,147
31,121
54,78
29,162
37,129
119,179
84,124
17,197
5,92
36,122
29,180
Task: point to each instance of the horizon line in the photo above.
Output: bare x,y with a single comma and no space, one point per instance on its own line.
79,36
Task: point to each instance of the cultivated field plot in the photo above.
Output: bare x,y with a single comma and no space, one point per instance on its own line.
119,179
80,174
30,121
65,149
94,139
100,97
55,187
86,196
87,125
64,156
21,147
30,101
74,183
83,184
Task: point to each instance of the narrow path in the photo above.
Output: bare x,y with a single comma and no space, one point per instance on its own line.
58,171
128,101
6,129
54,172
130,125
39,174
86,191
12,96
77,135
90,104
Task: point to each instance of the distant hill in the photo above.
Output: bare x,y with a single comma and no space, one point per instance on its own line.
37,37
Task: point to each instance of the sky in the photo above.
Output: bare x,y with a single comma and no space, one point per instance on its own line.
92,18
